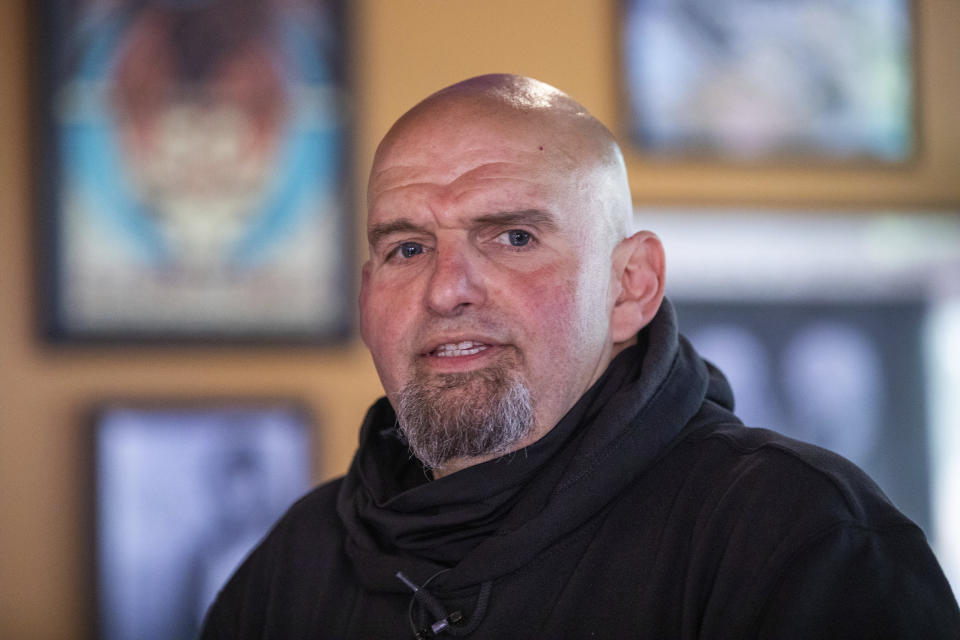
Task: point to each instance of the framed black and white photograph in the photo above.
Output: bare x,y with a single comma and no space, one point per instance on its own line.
193,170
182,494
752,80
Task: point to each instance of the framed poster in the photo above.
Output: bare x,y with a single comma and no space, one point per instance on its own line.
193,179
182,494
751,80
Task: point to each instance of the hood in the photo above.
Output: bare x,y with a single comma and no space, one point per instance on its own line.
490,519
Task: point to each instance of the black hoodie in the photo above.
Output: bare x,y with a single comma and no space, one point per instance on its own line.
649,511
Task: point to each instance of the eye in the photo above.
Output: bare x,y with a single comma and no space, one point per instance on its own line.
406,250
518,237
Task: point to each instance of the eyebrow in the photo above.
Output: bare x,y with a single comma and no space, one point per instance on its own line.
380,231
534,217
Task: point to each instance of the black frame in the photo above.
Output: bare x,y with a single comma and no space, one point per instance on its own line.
203,414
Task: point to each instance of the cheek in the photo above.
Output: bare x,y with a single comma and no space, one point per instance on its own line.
384,316
566,317
371,316
549,306
559,347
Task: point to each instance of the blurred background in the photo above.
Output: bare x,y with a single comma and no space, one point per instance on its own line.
181,215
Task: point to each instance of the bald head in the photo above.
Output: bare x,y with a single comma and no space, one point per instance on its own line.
556,126
501,280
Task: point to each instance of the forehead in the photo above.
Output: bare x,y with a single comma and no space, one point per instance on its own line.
474,154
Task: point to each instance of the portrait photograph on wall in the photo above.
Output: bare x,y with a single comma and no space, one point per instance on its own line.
837,329
750,80
193,170
182,494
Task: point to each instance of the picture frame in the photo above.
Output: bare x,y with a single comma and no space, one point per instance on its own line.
754,81
193,182
183,491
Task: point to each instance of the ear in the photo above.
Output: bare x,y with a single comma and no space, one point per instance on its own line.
638,265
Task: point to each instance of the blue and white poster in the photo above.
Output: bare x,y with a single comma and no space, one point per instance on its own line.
199,180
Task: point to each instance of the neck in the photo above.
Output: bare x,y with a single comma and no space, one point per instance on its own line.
457,464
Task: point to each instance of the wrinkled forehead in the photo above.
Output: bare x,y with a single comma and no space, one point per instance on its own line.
554,143
454,127
479,164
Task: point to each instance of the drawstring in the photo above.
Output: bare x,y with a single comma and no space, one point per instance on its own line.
478,612
445,622
430,603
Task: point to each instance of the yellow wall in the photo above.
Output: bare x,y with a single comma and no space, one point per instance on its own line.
402,50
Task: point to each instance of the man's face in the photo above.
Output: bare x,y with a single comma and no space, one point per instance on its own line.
488,254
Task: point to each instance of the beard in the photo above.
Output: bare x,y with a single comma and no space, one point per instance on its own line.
460,415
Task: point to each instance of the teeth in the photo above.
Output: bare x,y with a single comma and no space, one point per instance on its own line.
466,348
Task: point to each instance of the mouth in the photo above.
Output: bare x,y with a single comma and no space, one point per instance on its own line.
458,349
460,354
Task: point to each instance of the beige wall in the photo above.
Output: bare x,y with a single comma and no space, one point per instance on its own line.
402,50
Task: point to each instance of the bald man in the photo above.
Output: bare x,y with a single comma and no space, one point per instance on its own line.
551,459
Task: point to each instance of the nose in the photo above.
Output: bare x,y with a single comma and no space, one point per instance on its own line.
455,283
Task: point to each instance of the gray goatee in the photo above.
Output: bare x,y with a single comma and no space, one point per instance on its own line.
455,415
